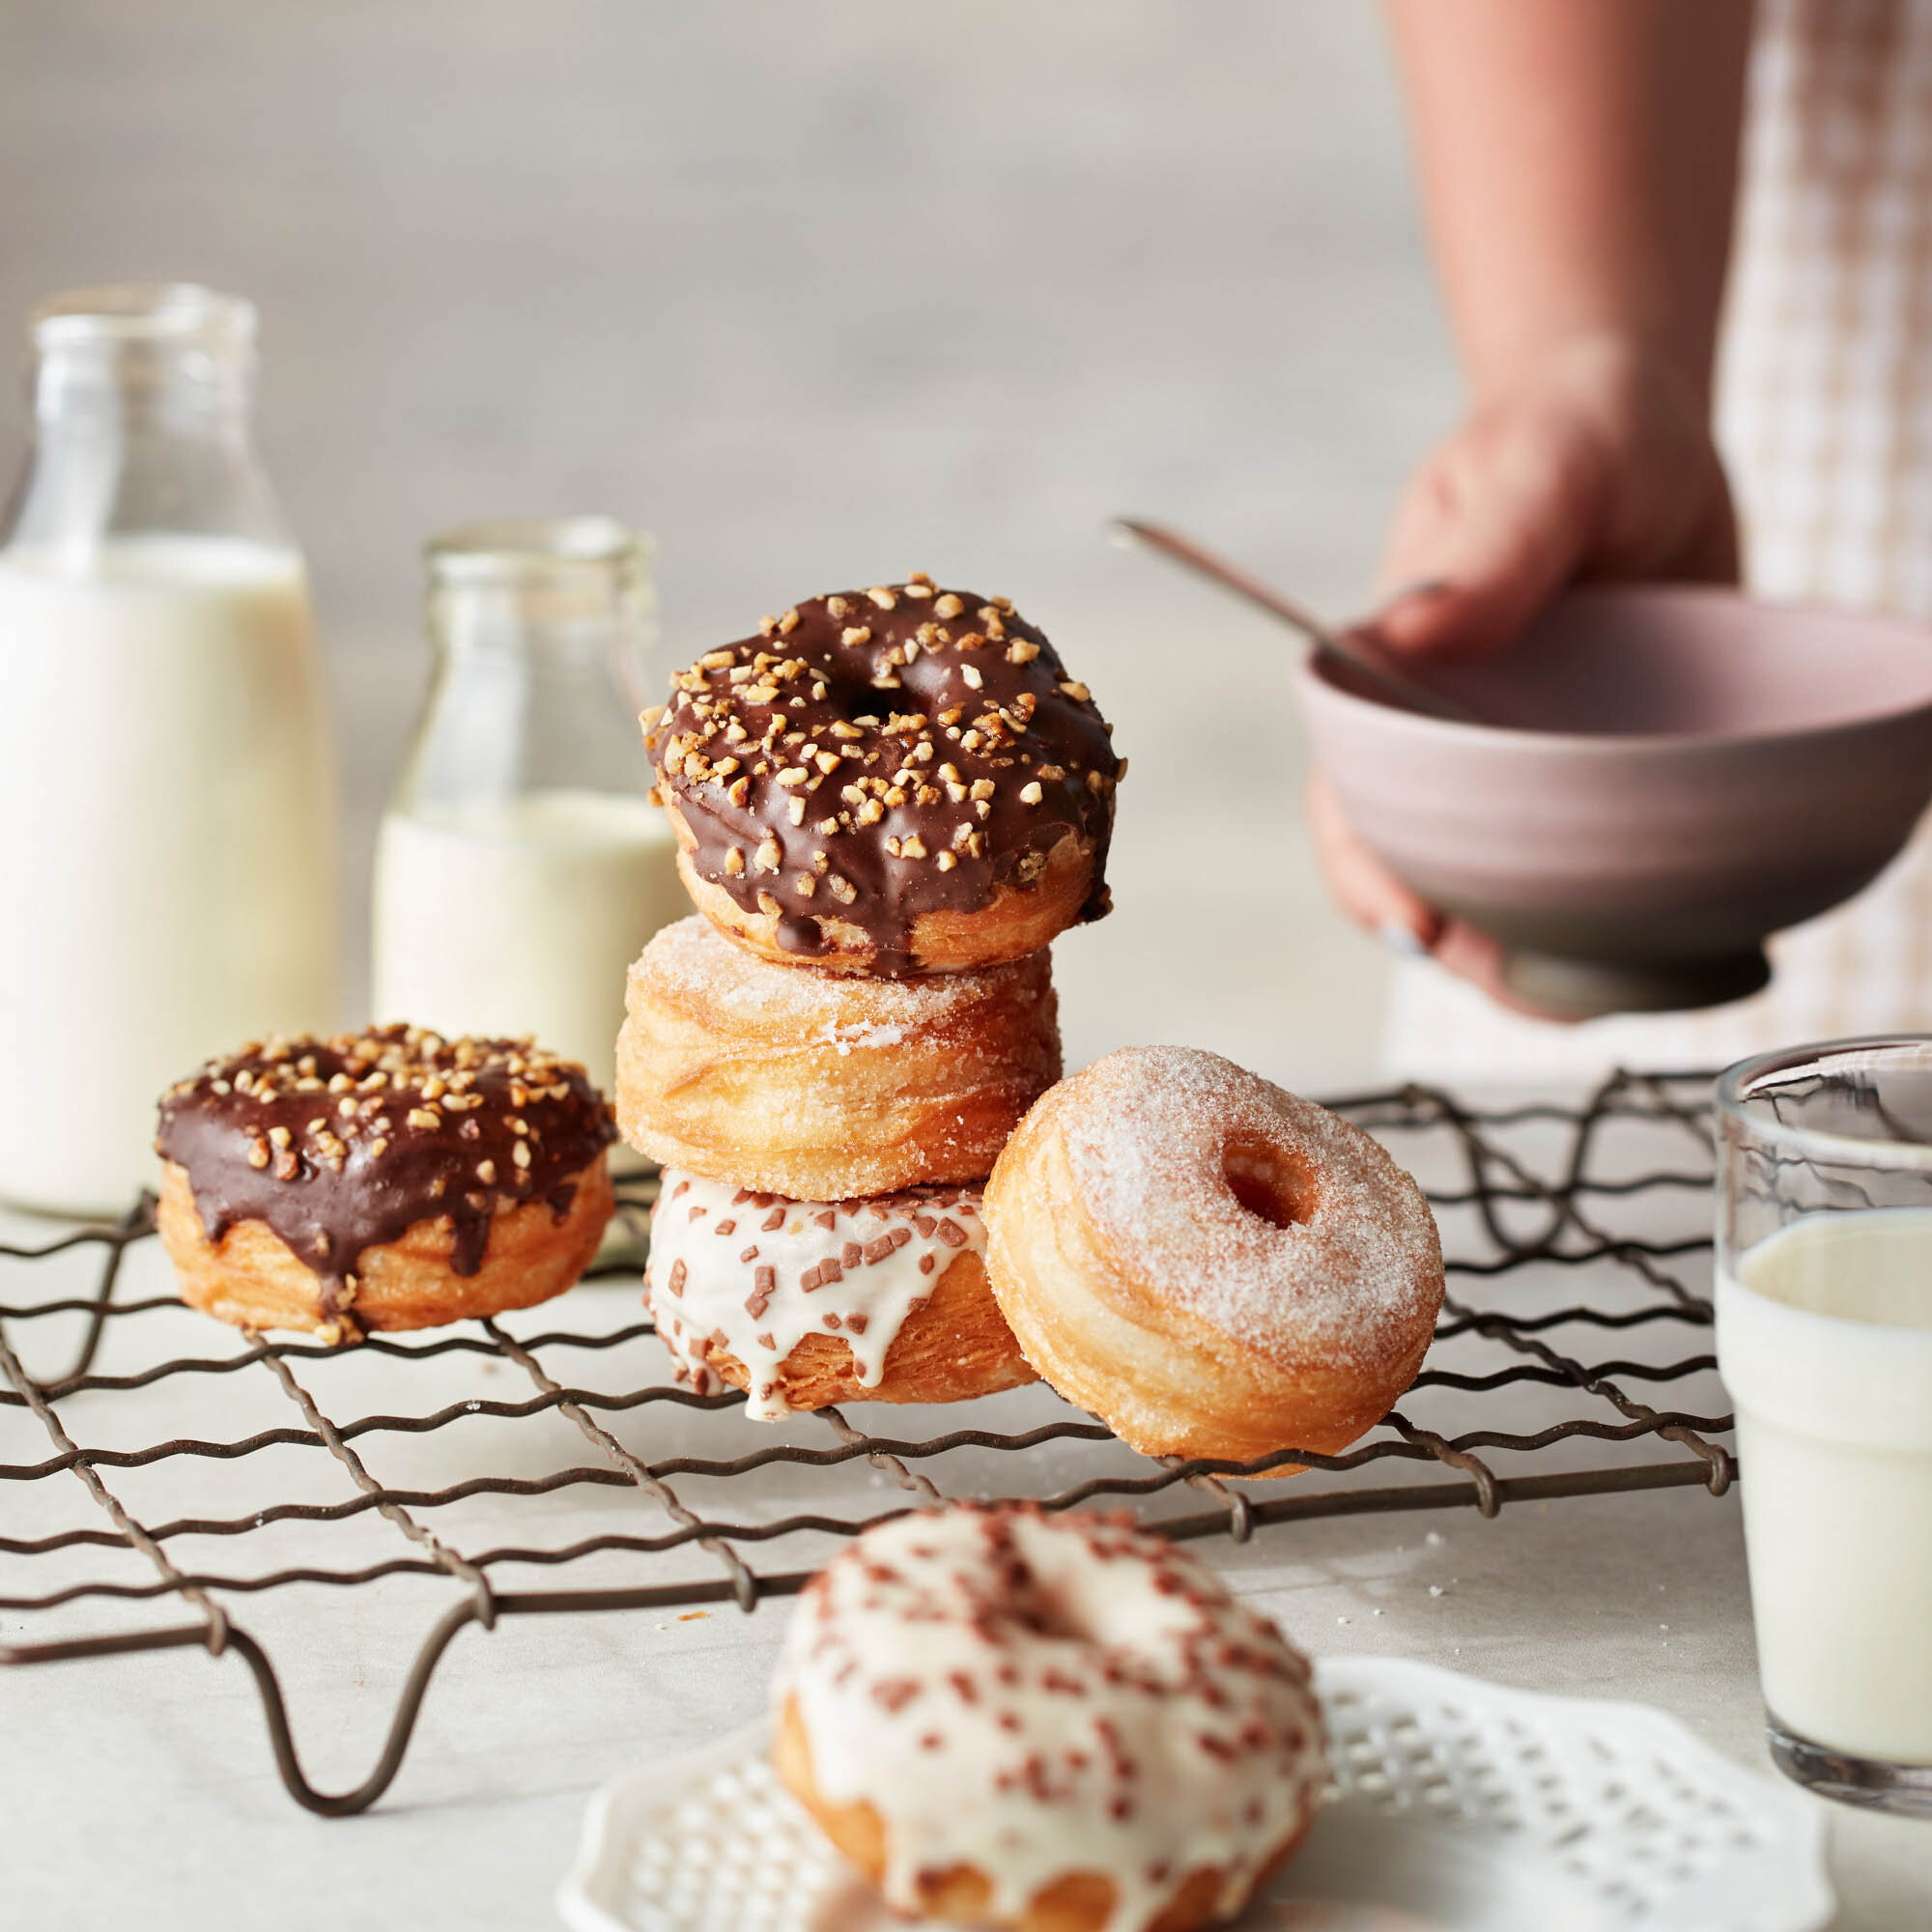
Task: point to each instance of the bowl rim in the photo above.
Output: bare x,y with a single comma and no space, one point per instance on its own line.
1604,743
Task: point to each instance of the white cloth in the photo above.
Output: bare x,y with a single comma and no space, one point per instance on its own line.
1824,418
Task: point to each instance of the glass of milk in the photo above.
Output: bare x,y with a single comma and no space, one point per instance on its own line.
167,807
1823,1300
520,867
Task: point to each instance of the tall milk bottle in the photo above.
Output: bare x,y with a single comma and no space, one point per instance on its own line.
521,867
166,780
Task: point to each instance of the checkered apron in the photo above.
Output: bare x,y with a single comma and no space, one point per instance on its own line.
1824,418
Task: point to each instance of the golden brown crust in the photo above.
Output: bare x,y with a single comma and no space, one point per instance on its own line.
1016,921
825,1089
253,1279
1077,1902
955,1345
1119,1344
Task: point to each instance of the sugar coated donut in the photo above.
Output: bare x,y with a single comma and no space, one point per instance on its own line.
383,1180
1214,1267
822,1088
801,1303
1057,1723
895,781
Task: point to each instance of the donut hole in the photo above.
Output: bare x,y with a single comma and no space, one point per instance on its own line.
1046,1613
1269,1183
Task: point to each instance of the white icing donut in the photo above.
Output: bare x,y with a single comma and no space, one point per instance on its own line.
1027,1697
755,1290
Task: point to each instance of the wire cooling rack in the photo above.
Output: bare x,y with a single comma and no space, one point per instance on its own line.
150,1457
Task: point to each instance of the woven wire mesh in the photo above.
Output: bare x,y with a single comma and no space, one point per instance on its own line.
547,1462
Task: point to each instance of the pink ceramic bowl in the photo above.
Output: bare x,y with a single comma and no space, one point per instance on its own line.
1665,776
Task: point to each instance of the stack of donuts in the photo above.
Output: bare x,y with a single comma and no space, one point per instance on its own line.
887,803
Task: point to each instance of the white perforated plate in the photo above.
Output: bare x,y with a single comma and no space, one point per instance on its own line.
1459,1806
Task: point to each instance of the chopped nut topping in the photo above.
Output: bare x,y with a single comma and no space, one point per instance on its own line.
855,634
1020,651
948,605
1031,794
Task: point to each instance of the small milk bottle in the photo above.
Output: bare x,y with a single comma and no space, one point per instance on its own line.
521,866
166,778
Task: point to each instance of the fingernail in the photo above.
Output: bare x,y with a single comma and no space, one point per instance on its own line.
1402,940
1423,586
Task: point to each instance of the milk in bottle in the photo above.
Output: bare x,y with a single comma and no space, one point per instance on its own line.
166,785
521,867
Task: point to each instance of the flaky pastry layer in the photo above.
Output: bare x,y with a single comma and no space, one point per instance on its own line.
817,1087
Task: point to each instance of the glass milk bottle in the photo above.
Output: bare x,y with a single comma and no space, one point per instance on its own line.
166,778
520,867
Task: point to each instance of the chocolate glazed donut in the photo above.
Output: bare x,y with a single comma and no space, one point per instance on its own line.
890,782
391,1179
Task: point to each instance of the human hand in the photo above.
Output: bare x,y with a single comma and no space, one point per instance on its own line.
1597,462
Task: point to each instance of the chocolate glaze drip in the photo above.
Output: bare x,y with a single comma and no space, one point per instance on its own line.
341,1145
877,754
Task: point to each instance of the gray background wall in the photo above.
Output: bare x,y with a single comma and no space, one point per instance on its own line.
817,291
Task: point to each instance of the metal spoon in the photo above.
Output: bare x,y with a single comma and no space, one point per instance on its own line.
1346,647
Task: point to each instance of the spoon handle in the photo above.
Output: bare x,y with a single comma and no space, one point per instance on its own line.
1347,647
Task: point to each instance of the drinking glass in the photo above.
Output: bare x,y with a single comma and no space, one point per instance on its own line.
1824,1308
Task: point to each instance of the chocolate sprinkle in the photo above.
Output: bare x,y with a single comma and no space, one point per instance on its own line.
871,764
